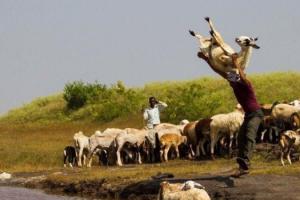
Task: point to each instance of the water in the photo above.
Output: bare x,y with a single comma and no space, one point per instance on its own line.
18,193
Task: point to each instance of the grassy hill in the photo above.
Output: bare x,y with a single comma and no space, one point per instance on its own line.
191,100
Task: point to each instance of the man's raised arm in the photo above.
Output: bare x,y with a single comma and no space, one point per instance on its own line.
241,72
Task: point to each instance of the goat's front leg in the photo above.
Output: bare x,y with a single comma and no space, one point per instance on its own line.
139,158
166,151
84,159
177,151
201,147
119,162
90,159
263,135
161,151
213,140
65,159
80,157
289,157
230,145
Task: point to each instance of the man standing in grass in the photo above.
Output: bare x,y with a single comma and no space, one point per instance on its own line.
245,96
152,114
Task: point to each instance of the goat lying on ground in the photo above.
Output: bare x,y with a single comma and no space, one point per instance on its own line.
287,140
220,54
189,190
70,156
167,141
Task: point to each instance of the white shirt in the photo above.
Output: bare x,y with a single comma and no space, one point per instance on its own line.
152,114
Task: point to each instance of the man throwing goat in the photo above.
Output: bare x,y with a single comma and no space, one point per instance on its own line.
245,96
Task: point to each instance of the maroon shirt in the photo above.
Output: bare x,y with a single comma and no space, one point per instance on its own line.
245,95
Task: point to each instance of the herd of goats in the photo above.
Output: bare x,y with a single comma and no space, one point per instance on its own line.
190,140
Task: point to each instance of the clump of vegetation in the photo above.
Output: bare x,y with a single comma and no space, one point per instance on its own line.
99,102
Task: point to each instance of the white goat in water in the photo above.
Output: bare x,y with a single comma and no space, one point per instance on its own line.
220,54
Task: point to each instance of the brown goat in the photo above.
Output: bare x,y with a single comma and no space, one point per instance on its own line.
167,141
202,129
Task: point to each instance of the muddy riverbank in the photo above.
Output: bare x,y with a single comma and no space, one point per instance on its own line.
219,187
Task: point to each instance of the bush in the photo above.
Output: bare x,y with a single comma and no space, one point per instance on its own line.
77,93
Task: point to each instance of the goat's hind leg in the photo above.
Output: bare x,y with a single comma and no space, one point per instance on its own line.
282,157
216,36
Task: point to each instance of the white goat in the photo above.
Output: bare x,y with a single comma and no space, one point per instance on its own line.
81,143
169,126
229,124
189,190
287,140
133,136
284,111
110,131
102,141
220,54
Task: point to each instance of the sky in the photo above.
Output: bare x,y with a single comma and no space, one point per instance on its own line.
46,44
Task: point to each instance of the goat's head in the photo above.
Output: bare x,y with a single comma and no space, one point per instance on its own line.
245,41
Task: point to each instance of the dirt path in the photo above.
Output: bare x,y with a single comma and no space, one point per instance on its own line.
219,187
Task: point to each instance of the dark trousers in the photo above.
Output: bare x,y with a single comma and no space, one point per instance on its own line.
247,133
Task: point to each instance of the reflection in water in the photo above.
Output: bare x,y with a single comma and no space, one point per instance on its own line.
16,193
